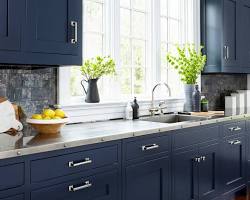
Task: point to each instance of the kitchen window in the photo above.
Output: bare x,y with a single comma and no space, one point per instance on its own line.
137,34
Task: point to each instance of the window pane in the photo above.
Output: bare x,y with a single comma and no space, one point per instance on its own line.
175,83
93,16
93,45
163,5
138,24
126,80
173,26
164,29
174,8
139,82
139,4
139,51
125,3
75,82
125,22
126,52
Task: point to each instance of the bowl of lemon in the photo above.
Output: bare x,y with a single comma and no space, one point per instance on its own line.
50,121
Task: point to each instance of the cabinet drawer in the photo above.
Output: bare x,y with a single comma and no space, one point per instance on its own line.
18,197
234,128
97,187
12,176
54,167
147,147
192,136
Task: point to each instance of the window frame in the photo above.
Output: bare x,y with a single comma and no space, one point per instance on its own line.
76,108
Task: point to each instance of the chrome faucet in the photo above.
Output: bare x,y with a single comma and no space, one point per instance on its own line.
154,109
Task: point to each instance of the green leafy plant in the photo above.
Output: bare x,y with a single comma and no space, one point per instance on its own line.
188,62
99,66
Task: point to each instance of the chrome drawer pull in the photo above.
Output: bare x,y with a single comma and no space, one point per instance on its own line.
235,128
72,188
85,162
203,158
198,160
235,142
75,26
150,147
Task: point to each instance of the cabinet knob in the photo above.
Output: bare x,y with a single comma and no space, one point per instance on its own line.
235,142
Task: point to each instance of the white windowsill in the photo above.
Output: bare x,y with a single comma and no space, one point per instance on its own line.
86,112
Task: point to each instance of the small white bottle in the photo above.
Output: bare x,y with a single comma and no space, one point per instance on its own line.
128,112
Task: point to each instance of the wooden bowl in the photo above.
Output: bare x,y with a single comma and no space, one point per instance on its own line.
48,126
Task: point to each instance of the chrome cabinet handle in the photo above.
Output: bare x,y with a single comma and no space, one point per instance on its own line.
150,147
85,162
235,142
203,158
198,160
75,26
235,128
87,184
226,49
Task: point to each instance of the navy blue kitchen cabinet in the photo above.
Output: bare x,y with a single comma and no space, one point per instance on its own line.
10,25
195,173
199,163
53,26
234,162
148,181
96,187
224,33
41,32
17,197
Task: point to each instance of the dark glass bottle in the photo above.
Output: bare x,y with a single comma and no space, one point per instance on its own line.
196,100
135,108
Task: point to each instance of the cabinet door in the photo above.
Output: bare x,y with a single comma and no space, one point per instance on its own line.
244,24
208,171
234,162
184,175
10,24
147,181
52,25
230,54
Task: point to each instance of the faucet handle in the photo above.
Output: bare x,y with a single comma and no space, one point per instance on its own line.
161,103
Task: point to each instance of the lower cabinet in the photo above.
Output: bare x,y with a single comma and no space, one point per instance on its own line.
234,162
97,187
17,197
148,181
195,173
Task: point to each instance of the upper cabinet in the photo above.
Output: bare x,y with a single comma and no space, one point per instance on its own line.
41,32
225,35
10,24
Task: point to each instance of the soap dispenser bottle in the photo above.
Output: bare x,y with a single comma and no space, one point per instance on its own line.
135,108
128,111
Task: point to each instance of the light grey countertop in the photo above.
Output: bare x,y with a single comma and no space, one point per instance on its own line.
89,133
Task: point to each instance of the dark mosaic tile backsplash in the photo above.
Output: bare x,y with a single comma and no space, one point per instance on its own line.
216,86
31,88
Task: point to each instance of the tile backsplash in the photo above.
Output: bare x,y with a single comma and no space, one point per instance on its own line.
31,88
216,86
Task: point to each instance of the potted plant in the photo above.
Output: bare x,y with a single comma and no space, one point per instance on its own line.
92,70
189,62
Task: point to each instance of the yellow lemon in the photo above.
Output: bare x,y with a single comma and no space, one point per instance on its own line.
46,118
37,116
60,113
56,117
49,113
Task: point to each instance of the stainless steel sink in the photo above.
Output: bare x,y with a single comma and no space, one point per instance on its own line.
173,118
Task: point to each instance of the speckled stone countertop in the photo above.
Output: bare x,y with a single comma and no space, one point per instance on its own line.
90,133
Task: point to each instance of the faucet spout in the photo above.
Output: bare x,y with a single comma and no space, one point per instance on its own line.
154,109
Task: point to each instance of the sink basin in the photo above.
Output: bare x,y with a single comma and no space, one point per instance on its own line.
173,118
